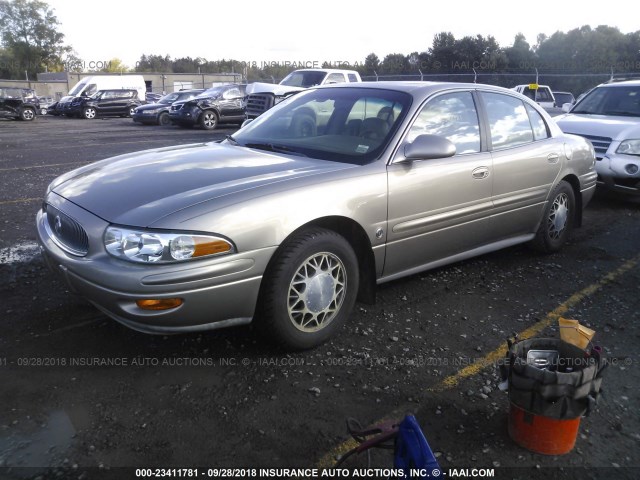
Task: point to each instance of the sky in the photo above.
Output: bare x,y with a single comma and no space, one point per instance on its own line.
336,31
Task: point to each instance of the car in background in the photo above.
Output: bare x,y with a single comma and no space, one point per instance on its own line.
106,103
220,104
158,113
45,103
541,94
334,190
609,117
14,104
563,97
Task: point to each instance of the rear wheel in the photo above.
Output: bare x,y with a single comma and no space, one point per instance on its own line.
309,289
557,221
209,120
131,111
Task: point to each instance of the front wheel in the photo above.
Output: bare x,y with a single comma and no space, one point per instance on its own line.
209,120
89,113
309,289
131,111
27,114
164,119
557,221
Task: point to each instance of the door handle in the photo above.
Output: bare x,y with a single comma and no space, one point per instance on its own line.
480,173
553,158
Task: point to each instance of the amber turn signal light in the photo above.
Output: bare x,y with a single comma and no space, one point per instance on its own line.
159,303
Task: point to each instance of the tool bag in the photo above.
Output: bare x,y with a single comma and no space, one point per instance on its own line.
566,390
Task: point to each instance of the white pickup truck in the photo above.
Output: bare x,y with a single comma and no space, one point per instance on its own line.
541,94
262,96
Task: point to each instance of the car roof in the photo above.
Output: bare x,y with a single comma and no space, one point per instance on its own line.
622,83
421,88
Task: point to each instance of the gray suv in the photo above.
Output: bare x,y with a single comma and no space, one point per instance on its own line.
609,116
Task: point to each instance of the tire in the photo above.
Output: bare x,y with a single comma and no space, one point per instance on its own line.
27,114
43,111
557,220
89,113
131,111
163,119
309,289
209,120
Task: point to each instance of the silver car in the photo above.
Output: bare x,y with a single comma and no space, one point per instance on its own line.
307,208
609,116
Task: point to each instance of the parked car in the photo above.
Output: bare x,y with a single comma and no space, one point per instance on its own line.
220,104
106,103
563,97
158,113
44,103
297,214
609,116
13,104
541,94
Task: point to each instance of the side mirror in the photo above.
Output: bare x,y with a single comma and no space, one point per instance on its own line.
566,107
427,147
246,122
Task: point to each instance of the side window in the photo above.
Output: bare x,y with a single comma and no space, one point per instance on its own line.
508,121
540,131
335,78
107,95
232,93
453,116
91,89
352,77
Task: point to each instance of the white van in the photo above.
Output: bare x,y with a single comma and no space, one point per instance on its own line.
87,86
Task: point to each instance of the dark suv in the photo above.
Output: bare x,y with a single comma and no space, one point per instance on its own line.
221,104
106,103
158,113
14,104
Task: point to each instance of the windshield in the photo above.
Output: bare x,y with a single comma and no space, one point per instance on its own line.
75,91
212,92
350,125
303,79
170,98
611,100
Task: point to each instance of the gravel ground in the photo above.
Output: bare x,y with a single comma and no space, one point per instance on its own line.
84,397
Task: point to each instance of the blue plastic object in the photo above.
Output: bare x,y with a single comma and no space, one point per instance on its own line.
412,452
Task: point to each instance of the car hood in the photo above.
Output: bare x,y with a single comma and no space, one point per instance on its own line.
153,106
277,90
616,128
139,189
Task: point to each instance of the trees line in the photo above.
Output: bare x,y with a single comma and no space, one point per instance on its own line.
31,42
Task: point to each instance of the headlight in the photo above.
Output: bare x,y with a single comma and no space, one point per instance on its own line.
629,147
161,247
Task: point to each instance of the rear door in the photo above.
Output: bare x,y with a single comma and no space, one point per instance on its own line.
231,104
526,163
439,208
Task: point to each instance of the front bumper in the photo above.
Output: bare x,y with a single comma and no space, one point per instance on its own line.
216,293
144,117
619,173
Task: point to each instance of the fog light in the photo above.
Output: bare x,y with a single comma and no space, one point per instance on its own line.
159,303
631,169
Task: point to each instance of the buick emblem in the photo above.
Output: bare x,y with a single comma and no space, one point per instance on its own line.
57,225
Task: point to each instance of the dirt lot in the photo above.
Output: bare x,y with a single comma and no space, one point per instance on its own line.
84,397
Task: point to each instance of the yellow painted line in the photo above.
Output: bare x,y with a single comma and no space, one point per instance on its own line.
20,200
329,459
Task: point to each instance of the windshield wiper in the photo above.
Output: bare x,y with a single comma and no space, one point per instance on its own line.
583,111
270,147
231,140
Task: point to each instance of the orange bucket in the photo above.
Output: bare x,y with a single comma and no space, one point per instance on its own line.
540,434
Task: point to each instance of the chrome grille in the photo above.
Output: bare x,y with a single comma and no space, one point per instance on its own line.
66,232
600,144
